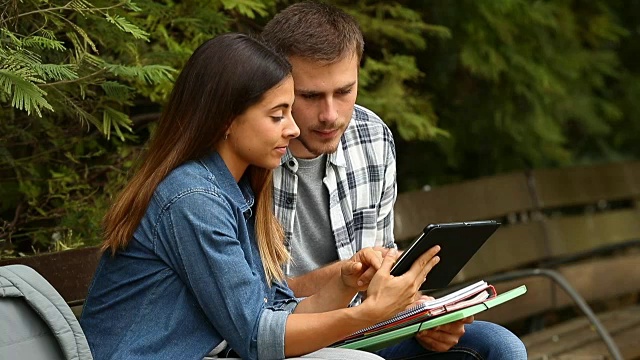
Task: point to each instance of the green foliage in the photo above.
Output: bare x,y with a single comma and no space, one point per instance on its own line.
393,33
73,77
469,87
519,84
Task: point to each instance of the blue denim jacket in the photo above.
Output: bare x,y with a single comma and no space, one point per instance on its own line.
190,278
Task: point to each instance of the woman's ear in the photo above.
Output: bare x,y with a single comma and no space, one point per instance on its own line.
228,131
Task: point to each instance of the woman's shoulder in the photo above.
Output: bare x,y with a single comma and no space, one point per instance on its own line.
191,178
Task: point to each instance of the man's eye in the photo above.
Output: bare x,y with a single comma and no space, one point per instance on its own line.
344,92
309,96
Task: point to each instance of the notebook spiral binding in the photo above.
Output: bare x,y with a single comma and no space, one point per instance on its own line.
406,313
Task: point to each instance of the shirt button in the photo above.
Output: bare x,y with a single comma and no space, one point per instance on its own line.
265,300
292,163
289,201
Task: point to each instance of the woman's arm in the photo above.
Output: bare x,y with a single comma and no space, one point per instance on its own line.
210,250
387,295
338,291
310,283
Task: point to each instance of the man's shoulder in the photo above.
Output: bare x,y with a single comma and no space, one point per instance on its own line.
366,127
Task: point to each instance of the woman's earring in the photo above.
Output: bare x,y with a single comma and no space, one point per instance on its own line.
226,136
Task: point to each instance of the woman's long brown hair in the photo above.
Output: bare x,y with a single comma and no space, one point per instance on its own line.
222,79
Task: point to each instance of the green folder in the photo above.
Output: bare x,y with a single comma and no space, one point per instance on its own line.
383,340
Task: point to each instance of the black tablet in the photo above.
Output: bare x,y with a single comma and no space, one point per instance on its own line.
458,242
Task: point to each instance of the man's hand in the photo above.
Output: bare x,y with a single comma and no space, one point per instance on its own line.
443,337
358,271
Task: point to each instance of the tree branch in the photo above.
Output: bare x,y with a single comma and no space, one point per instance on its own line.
66,8
73,80
144,119
14,223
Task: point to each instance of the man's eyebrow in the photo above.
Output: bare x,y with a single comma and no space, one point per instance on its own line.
314,92
347,87
306,92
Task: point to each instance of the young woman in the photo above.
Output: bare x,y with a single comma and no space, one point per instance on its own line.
193,252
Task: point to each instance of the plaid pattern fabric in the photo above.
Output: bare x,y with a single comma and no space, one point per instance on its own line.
361,182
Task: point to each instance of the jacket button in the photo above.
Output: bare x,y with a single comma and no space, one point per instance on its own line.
289,201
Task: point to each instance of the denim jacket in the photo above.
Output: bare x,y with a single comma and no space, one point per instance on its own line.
190,277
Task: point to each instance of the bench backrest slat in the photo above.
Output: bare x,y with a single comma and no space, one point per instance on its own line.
586,185
471,200
537,299
574,234
551,214
70,272
510,247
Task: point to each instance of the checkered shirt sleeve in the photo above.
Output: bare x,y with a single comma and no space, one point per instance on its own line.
361,181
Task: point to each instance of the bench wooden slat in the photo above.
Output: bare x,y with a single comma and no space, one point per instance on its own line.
576,339
510,247
536,300
626,340
573,234
594,280
481,199
602,279
521,244
586,184
70,272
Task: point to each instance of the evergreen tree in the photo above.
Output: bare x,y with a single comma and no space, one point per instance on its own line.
469,87
516,84
71,74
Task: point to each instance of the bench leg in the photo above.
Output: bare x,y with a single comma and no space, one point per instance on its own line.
577,298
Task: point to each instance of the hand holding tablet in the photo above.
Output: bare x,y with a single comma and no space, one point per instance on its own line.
458,242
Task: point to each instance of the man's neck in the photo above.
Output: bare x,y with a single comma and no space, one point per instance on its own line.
299,151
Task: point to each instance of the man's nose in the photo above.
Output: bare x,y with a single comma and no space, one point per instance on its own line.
328,112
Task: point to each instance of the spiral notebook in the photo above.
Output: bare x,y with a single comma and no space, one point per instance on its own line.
455,306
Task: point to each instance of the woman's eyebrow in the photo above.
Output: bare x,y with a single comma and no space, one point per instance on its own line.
283,105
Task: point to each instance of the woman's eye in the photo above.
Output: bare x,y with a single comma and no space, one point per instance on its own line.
278,118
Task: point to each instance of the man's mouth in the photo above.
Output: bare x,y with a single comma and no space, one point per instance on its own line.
326,133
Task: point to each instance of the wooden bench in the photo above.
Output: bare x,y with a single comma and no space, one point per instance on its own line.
70,272
581,223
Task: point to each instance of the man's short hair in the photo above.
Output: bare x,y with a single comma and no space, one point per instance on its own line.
316,31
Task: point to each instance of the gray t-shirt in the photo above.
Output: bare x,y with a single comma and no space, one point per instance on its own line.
312,243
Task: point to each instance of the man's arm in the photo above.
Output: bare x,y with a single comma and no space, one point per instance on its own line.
311,282
443,337
384,222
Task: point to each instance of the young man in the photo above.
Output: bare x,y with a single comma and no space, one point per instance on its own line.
335,190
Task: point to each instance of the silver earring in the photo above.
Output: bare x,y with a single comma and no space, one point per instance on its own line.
226,136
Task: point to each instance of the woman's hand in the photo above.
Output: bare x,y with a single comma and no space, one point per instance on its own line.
358,271
387,295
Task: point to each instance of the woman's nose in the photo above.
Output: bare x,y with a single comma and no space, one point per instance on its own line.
292,130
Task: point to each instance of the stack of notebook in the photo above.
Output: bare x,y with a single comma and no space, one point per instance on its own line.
454,306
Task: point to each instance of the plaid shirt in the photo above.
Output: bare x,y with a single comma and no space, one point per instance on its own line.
361,182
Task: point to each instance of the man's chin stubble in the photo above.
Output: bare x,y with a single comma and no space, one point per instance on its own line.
317,151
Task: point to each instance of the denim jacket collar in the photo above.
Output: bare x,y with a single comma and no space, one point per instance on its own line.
240,193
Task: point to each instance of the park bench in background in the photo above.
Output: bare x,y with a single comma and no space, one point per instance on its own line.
581,223
69,272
